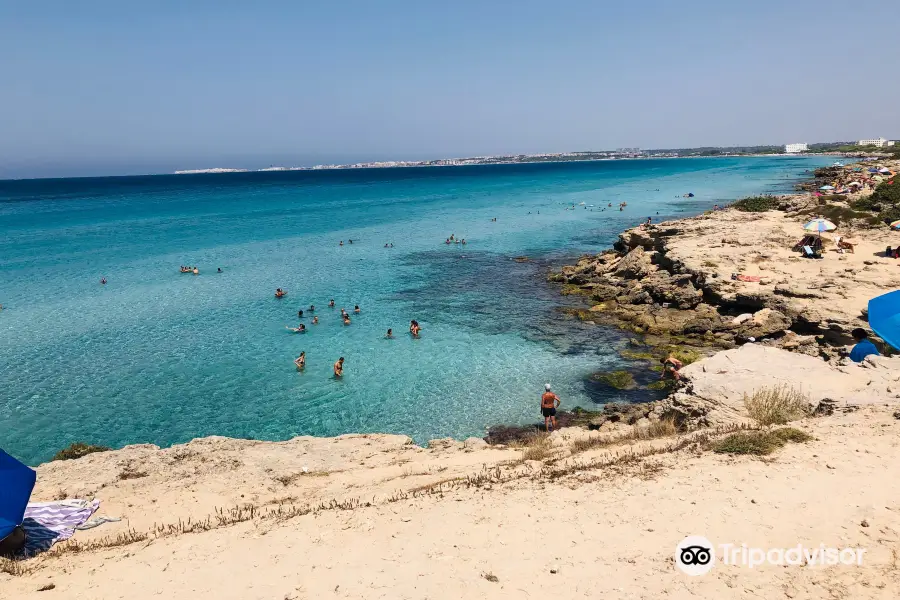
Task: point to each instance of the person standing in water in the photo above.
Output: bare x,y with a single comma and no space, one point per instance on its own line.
331,304
103,281
390,334
301,361
549,403
315,320
356,309
299,314
414,328
339,367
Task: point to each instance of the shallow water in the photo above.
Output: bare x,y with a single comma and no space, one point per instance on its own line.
158,356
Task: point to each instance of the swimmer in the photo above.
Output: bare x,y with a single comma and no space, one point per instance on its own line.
339,367
299,329
280,293
342,243
464,241
392,244
448,241
356,309
196,271
385,245
346,319
312,308
103,281
390,334
301,361
299,314
331,304
315,320
414,328
219,270
351,241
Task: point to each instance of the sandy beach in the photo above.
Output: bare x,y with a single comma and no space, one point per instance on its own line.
585,512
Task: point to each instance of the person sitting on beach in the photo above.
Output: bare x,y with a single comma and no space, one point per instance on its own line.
301,361
279,293
356,309
549,403
863,347
671,365
390,334
315,320
339,367
346,319
331,304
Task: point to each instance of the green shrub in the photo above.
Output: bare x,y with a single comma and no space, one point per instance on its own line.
759,443
77,450
757,204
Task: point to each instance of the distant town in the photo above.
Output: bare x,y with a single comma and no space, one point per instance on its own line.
860,147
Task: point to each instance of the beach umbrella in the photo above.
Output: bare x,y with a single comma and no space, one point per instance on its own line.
16,483
820,225
884,317
827,187
895,225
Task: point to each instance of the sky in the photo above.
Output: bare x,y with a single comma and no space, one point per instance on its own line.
107,88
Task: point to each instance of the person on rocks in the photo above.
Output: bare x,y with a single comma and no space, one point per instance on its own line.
863,347
671,367
549,403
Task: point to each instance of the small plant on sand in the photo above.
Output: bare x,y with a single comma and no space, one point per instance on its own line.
14,567
777,405
490,577
759,443
77,450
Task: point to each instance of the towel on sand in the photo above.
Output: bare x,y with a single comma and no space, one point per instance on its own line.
49,522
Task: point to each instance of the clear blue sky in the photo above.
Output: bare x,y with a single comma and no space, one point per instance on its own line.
93,87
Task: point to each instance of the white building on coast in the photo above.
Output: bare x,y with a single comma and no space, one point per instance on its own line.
795,148
879,143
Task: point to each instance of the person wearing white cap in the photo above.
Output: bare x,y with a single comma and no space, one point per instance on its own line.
549,404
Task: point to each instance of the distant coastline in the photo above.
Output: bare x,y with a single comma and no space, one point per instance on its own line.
501,160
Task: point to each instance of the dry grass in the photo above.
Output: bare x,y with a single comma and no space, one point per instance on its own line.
657,429
14,567
538,447
490,577
777,405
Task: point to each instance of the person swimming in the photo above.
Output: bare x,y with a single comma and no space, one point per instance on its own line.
312,308
342,243
414,328
464,241
356,309
299,314
196,271
390,334
103,281
339,367
346,319
301,361
280,293
343,312
219,270
315,320
331,304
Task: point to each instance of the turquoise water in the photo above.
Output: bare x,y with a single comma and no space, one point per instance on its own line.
158,356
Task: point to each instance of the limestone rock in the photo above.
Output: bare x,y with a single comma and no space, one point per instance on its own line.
473,443
635,265
764,322
678,290
742,318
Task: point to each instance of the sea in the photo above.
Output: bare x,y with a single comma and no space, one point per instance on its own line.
158,356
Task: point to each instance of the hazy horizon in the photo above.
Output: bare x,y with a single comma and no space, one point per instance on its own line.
107,89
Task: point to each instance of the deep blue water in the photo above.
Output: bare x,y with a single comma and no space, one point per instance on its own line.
158,356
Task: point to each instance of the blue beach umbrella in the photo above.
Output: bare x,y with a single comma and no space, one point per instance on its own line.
884,317
16,483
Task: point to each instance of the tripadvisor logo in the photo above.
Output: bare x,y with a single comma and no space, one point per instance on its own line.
696,555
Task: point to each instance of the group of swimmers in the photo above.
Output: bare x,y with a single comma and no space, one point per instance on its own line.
195,270
455,240
300,362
